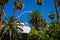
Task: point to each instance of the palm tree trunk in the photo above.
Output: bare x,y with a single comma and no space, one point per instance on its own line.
14,10
59,20
12,21
57,13
0,23
12,18
10,34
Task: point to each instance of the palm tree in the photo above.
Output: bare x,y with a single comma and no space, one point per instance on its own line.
57,3
18,4
11,28
39,2
10,32
52,15
3,2
35,18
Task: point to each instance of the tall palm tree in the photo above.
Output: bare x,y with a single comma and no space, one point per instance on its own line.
39,3
17,6
35,18
57,3
13,34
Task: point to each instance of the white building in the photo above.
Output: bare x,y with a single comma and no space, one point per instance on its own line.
26,29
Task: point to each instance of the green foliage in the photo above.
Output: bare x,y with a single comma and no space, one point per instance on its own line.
33,35
34,32
50,32
39,35
11,31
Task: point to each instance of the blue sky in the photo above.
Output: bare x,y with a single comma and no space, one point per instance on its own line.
29,5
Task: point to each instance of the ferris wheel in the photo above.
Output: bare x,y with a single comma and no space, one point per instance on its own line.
24,12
